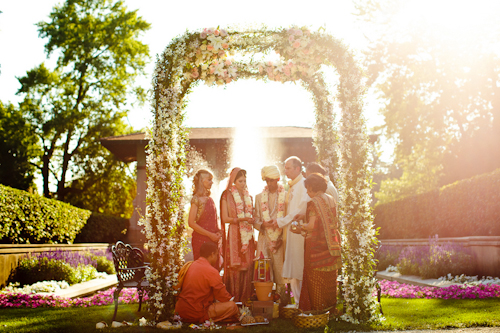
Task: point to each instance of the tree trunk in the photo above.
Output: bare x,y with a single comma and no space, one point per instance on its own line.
45,174
61,193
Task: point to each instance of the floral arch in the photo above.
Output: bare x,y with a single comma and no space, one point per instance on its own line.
205,56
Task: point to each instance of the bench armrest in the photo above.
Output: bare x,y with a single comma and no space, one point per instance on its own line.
133,268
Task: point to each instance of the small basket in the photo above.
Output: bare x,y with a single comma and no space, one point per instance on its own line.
317,319
288,313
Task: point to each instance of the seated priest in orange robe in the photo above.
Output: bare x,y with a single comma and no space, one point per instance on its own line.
203,296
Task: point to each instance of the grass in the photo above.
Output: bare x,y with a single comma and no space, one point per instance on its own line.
400,314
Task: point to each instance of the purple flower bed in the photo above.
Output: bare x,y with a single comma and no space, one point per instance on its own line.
12,300
73,258
400,290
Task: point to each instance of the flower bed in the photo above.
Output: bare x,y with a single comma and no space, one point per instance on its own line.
430,261
400,290
18,300
70,266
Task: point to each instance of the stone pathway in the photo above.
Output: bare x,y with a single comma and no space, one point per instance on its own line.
414,280
86,288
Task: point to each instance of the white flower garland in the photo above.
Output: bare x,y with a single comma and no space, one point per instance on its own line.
273,234
204,56
242,211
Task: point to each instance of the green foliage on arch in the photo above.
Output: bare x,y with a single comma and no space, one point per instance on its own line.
206,57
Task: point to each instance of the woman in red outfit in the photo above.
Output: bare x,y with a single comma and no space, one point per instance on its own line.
237,211
202,214
321,248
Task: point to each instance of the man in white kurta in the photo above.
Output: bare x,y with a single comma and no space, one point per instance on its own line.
296,204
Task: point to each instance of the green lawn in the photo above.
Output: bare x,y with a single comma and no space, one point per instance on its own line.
400,314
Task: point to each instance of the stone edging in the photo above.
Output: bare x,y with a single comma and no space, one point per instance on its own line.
85,288
414,280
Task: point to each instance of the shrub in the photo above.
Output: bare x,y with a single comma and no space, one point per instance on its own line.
32,269
101,228
31,219
411,259
104,265
387,256
470,207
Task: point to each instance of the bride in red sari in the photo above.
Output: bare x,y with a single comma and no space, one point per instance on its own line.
237,211
202,214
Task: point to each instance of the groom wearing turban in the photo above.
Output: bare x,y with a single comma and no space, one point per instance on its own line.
269,205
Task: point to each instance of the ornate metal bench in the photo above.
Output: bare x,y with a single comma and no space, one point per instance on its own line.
130,271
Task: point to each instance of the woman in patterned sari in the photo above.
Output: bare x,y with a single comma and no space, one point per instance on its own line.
236,209
202,214
321,248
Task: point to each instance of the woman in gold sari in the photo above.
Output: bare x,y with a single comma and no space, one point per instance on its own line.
322,247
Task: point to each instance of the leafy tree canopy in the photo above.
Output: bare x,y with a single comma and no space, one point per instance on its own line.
18,146
85,97
441,92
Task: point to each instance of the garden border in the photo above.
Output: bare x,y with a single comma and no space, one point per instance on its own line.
485,250
10,254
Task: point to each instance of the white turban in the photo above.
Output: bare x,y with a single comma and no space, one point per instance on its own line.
271,172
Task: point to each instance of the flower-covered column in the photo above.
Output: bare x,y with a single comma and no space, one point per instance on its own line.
163,223
357,230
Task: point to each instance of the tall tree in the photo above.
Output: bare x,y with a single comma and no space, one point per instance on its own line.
441,93
18,147
85,96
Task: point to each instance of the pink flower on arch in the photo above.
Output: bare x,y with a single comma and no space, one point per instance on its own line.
296,44
195,73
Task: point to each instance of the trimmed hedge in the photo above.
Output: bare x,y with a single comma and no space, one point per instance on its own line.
102,228
32,219
470,207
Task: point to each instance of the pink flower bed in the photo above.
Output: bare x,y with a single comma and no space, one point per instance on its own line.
13,300
401,290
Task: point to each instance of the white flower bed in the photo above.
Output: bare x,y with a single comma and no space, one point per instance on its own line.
42,286
39,287
470,280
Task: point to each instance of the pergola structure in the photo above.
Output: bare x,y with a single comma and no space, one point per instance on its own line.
214,144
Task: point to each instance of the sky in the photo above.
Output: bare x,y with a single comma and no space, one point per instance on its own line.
242,102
